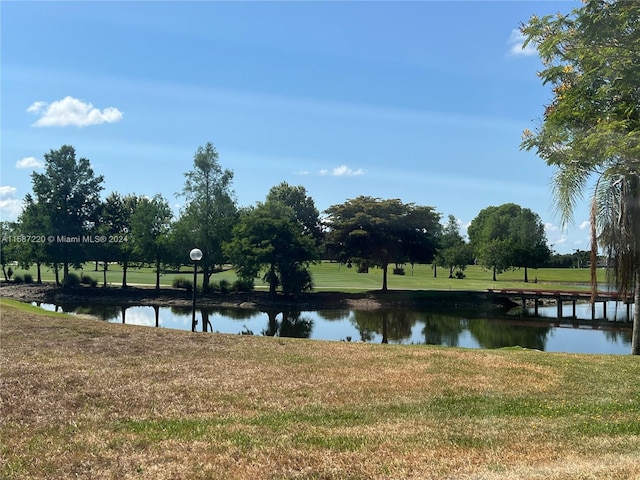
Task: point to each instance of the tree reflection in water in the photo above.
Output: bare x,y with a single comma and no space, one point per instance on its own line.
291,325
472,329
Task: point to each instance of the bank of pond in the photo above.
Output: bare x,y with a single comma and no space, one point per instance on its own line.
516,328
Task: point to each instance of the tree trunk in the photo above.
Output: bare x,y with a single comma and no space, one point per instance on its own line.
125,265
104,275
207,270
635,334
385,328
435,270
385,268
526,275
273,281
57,271
158,275
39,272
494,275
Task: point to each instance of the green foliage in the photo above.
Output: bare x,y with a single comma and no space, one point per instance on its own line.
68,195
28,278
508,236
592,125
17,279
182,282
243,285
210,211
383,231
150,224
270,238
87,280
71,280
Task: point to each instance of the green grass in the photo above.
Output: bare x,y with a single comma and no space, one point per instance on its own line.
329,276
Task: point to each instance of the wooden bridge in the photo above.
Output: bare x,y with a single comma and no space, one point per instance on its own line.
562,296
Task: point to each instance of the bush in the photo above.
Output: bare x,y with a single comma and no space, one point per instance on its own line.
182,282
460,275
243,285
9,272
398,271
71,280
28,278
18,278
225,286
87,280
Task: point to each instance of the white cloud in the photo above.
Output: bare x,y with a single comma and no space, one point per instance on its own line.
342,171
29,162
71,111
10,206
516,42
585,225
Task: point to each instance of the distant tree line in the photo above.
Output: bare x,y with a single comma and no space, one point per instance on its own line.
65,223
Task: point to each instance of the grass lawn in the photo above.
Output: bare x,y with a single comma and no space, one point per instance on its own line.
329,276
94,400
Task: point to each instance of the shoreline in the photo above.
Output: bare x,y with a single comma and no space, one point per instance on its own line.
168,296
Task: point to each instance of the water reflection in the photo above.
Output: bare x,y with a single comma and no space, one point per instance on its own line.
455,329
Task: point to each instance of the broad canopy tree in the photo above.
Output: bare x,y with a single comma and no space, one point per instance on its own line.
383,231
508,236
591,127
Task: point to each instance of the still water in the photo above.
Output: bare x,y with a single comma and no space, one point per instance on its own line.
393,326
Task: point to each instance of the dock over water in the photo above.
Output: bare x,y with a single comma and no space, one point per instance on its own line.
562,296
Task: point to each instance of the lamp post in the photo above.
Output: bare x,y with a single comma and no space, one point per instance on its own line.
196,256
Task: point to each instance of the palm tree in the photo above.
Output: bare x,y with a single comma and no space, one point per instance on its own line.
592,128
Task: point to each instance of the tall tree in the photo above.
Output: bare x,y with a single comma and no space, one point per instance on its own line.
9,246
591,127
383,231
69,194
150,223
34,221
115,225
210,211
302,204
530,249
453,252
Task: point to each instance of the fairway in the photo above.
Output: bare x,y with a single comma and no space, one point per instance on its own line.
336,277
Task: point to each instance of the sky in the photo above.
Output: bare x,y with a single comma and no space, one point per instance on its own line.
424,101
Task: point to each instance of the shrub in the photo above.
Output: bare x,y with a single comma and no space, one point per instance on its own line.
9,272
243,285
182,282
398,271
87,280
225,286
460,274
28,278
71,280
18,278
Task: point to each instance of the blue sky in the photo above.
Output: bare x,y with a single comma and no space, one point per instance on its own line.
422,101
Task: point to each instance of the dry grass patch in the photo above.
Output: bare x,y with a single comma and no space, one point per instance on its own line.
88,399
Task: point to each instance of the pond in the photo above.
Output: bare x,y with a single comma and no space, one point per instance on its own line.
572,335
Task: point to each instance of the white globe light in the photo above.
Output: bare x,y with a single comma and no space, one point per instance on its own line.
195,254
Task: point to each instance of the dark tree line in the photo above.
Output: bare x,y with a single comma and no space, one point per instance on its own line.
65,223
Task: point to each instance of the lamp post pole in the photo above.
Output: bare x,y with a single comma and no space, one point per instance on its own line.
196,256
